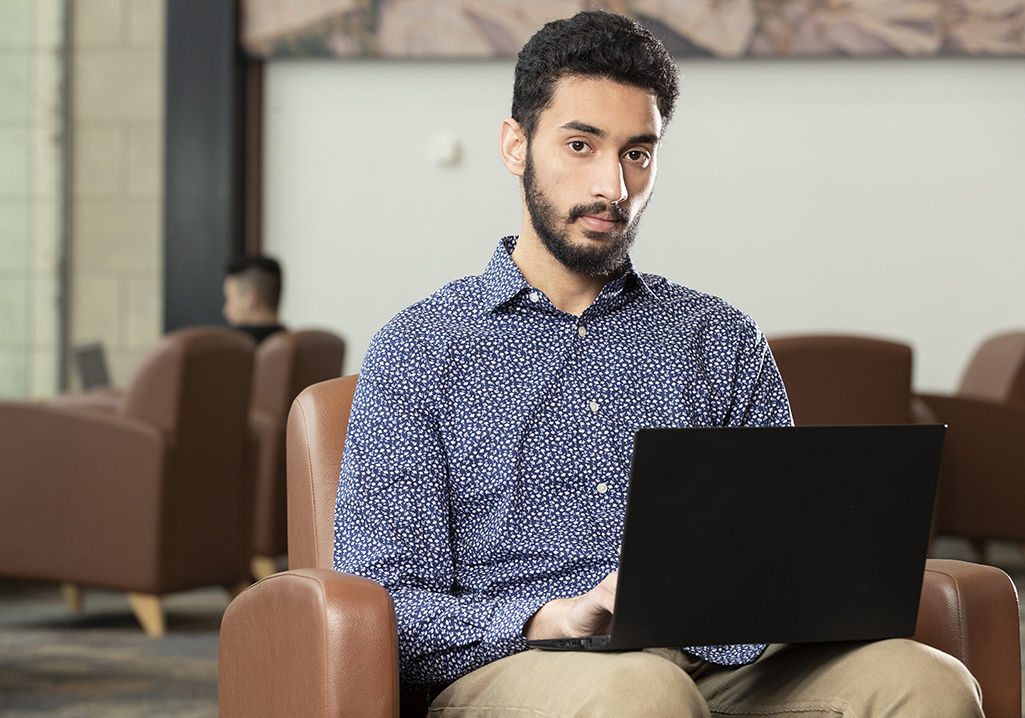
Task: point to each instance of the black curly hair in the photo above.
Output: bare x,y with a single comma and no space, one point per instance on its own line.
596,44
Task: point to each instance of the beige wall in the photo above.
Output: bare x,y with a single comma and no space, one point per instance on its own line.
117,172
879,197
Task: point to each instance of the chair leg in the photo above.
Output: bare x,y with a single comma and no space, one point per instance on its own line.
149,613
262,566
72,594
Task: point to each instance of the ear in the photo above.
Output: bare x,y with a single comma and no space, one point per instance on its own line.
513,146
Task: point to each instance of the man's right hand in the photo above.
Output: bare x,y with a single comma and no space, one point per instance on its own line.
586,615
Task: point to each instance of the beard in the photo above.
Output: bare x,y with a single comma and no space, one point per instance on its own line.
598,260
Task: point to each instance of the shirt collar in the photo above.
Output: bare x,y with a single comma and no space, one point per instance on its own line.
503,281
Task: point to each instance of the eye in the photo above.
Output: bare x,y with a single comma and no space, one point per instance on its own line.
578,145
639,157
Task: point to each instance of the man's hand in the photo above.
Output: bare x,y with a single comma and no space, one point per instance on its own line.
587,615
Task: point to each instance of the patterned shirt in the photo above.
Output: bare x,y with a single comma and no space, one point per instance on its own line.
486,461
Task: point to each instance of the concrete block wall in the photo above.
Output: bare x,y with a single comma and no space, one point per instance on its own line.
31,41
117,171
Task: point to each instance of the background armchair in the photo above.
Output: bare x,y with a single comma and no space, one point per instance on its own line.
150,497
845,379
315,642
981,492
286,363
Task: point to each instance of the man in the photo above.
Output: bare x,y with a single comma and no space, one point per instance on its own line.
252,290
485,466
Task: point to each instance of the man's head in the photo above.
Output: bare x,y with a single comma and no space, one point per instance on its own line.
252,289
591,44
592,97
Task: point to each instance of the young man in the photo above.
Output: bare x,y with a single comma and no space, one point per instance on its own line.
485,467
252,290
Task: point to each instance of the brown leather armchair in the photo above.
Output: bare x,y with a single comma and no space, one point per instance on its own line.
286,363
150,497
982,476
845,379
314,642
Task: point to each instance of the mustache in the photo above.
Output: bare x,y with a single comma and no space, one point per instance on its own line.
618,213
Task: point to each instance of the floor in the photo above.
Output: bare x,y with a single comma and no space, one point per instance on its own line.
100,664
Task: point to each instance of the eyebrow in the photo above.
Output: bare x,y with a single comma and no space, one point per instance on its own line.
649,138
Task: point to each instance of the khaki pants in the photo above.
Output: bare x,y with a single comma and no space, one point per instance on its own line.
865,680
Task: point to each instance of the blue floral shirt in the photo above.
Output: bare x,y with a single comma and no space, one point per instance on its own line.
486,461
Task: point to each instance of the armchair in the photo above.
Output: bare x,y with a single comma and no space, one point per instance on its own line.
982,478
149,497
845,379
286,363
314,642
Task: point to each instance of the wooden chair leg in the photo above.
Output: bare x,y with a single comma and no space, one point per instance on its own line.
149,613
72,594
262,566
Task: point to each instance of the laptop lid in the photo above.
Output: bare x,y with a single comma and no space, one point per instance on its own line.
775,534
91,362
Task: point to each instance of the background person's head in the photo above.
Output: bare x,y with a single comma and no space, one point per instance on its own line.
591,44
252,290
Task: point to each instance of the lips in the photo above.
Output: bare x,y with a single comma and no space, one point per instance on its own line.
599,223
598,216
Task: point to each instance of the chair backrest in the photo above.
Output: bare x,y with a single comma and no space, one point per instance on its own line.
289,361
997,370
286,363
316,437
194,384
845,379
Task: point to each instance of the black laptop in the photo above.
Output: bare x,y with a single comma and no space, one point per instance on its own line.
772,535
91,361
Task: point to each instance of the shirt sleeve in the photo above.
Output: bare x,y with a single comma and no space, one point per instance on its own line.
759,397
392,522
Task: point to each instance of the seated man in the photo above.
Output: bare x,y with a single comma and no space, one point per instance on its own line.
485,470
252,290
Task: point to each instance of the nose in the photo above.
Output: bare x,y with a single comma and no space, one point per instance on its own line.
608,181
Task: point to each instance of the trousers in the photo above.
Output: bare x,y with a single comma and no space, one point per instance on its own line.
882,679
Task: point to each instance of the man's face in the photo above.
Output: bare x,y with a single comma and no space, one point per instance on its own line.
589,171
235,302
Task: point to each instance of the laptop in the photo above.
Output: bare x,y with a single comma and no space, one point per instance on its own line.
91,362
772,535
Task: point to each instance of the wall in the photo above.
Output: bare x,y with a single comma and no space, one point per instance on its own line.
117,175
31,41
879,197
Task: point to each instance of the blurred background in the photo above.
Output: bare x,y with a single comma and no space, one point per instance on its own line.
867,180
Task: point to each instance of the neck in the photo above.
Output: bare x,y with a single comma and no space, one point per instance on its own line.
570,292
259,318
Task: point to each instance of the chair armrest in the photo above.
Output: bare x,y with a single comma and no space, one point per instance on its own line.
319,643
80,497
971,612
106,399
309,642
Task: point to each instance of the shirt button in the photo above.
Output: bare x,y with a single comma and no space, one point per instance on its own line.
581,332
602,488
594,407
534,297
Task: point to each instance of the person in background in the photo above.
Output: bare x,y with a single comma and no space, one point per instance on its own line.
252,290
